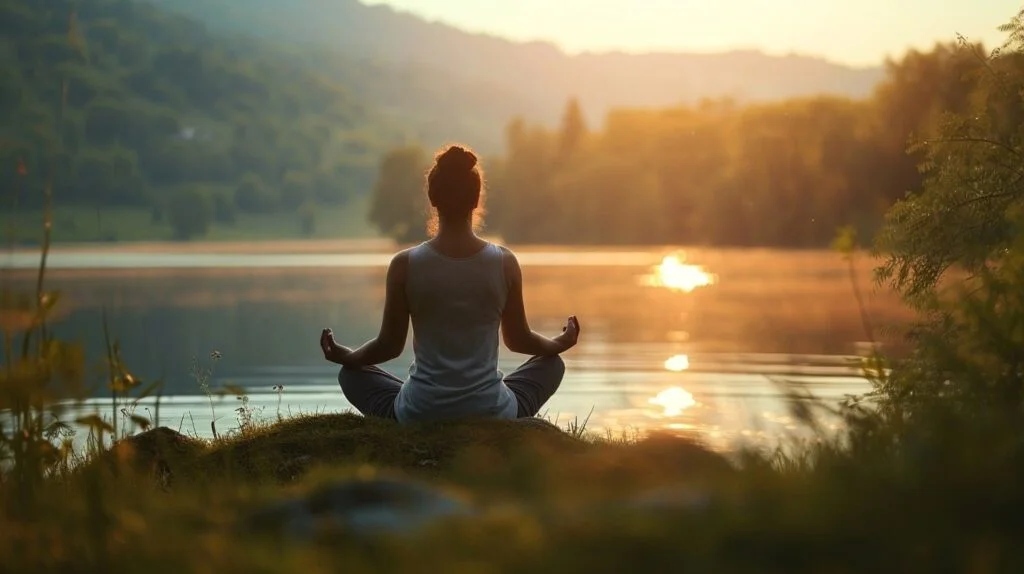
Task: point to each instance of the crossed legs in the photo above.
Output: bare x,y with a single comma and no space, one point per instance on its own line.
372,390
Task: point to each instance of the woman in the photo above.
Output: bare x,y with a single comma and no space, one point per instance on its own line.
459,291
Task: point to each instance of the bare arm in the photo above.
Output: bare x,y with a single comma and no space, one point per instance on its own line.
394,328
515,329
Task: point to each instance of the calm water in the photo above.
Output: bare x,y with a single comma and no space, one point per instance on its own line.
685,341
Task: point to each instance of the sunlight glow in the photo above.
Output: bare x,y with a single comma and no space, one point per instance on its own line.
828,29
674,401
677,363
678,276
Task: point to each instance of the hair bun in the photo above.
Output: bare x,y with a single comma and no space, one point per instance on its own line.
458,159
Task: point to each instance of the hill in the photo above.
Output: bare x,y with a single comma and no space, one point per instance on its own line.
190,114
534,78
158,108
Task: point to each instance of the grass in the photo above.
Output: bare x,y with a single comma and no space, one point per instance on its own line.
74,224
547,501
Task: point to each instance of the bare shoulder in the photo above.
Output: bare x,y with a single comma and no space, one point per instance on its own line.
402,257
510,263
507,255
400,263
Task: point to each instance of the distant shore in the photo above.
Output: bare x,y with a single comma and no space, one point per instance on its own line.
290,246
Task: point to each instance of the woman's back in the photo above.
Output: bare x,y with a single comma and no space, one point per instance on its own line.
459,292
456,306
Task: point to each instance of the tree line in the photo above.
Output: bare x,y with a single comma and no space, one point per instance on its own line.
784,174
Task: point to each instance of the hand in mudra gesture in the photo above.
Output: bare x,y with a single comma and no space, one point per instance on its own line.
570,334
333,352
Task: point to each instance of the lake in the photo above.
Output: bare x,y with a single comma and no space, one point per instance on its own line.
693,341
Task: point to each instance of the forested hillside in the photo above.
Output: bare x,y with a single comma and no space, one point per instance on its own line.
159,112
486,78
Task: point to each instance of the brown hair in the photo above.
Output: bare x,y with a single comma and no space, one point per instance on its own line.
455,187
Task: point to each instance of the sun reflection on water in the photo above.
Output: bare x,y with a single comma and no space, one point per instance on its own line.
674,401
673,273
678,363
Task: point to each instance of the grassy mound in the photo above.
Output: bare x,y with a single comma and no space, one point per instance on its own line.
285,451
541,499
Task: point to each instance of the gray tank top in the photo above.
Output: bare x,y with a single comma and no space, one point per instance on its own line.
456,306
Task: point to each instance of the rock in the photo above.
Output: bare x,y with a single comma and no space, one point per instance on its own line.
361,507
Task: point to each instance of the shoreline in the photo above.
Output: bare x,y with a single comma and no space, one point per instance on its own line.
372,245
233,247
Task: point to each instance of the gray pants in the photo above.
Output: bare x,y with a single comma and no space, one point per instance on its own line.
372,390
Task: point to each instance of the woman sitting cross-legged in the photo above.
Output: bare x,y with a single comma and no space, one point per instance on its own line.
459,290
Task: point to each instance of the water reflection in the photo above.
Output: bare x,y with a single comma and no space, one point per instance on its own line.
677,363
674,274
674,401
770,314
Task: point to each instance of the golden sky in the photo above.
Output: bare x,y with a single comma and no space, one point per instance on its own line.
859,32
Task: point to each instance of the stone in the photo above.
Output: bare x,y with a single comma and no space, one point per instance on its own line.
362,507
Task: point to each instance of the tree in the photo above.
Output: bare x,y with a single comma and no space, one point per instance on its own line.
967,364
252,195
223,208
573,130
307,218
296,188
399,206
966,213
521,205
189,212
193,107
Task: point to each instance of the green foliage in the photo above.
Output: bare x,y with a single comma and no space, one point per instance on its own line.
297,188
155,103
973,188
252,195
224,209
75,224
966,369
307,218
189,212
967,345
399,205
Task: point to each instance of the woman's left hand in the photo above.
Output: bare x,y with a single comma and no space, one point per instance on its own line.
333,352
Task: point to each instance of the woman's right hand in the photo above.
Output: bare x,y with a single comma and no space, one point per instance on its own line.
333,352
570,334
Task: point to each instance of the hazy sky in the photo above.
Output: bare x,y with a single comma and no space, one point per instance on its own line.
851,31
